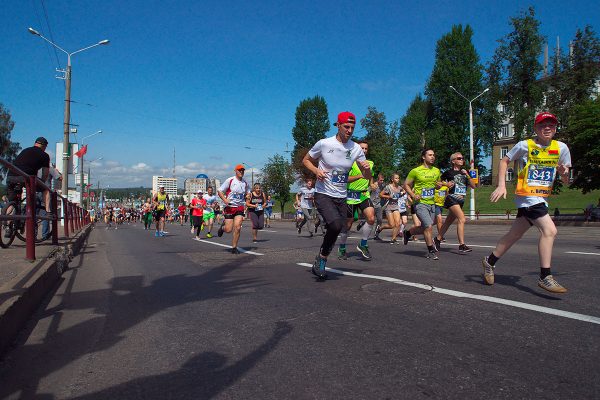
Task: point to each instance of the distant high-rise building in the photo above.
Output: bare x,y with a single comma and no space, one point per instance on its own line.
170,185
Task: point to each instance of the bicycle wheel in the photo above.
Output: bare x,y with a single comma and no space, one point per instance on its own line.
37,227
7,231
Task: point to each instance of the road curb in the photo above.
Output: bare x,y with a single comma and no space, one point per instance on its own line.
26,291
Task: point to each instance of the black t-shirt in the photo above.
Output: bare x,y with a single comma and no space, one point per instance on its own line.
460,181
30,160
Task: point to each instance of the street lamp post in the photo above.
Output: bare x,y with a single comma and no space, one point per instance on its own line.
65,167
87,203
471,148
81,166
252,171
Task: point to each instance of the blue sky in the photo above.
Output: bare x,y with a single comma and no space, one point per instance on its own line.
220,81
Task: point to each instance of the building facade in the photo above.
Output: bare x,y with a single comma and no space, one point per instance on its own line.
170,185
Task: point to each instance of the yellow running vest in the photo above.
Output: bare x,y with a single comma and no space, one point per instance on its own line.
439,196
162,201
537,177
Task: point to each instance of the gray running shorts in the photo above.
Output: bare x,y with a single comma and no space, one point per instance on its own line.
425,213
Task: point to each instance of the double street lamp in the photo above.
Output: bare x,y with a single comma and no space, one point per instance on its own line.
471,149
65,165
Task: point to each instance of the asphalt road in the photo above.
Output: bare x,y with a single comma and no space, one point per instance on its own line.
139,317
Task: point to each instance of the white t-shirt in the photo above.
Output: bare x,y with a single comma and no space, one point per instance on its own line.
336,159
237,191
519,154
306,197
210,201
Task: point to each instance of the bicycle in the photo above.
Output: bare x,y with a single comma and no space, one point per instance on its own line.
16,228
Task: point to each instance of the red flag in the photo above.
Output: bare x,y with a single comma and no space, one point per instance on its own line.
81,151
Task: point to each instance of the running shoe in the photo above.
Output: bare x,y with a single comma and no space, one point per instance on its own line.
209,235
405,237
220,231
433,255
488,272
299,231
235,250
437,243
197,238
393,241
360,225
342,254
463,248
364,250
192,230
156,234
316,227
161,234
550,284
318,267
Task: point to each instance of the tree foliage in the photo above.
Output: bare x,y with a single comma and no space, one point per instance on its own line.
277,177
412,134
457,65
575,78
382,141
8,148
312,124
517,62
585,128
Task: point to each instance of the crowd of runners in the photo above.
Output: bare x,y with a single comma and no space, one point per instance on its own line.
344,190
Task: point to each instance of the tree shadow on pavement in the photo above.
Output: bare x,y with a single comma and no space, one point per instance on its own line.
107,324
201,377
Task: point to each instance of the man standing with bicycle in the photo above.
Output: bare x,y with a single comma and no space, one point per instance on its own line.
30,161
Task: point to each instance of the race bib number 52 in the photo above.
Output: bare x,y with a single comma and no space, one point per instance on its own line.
339,177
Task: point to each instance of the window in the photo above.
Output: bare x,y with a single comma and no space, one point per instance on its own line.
503,151
504,131
509,175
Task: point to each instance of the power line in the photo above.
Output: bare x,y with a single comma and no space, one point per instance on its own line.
180,122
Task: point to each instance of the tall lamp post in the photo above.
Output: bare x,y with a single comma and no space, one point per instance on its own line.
471,149
81,165
67,77
252,171
87,203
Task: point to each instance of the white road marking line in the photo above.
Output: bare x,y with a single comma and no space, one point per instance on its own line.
226,245
581,252
455,293
265,230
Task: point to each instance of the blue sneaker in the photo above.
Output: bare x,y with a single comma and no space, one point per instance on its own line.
318,267
162,234
156,234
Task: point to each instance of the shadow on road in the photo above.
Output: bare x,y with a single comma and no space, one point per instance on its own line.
108,323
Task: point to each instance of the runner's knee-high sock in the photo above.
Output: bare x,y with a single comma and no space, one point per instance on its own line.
366,231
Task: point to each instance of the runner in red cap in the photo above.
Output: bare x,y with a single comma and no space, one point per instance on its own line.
233,193
539,161
330,161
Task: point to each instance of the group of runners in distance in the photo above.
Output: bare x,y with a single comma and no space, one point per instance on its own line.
344,190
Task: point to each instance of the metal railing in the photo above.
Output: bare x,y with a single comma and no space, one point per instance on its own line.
74,217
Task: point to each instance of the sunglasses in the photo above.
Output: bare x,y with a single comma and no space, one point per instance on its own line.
459,158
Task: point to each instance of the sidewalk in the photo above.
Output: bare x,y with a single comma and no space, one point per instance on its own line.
24,284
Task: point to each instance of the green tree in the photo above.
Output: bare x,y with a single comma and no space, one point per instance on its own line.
8,148
457,65
585,131
575,78
517,61
277,176
382,142
312,124
413,132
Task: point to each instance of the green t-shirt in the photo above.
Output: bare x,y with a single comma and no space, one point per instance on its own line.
358,191
424,182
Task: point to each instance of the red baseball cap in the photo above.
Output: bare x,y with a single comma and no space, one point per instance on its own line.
544,116
239,167
345,117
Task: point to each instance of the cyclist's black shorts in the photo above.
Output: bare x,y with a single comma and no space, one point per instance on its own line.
14,187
